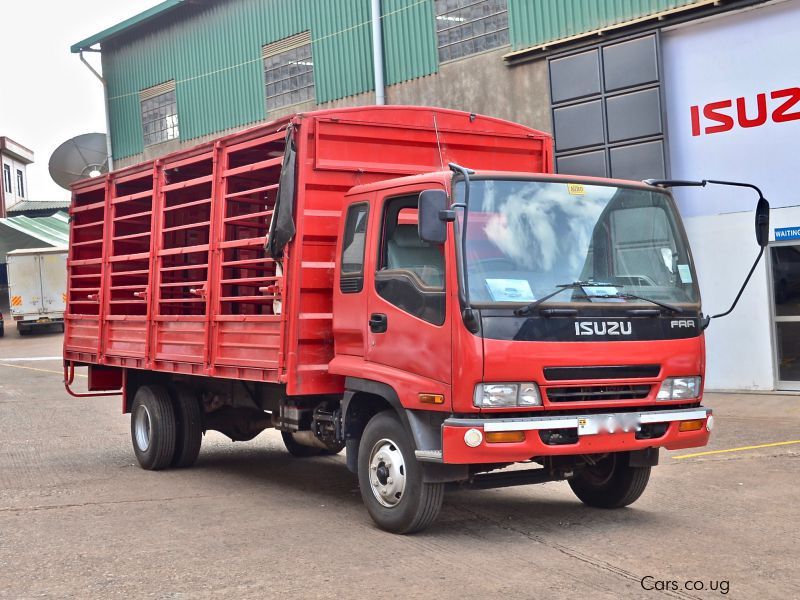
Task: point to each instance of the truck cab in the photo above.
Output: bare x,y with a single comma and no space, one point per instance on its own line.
546,318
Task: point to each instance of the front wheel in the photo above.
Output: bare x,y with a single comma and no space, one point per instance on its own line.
611,482
390,478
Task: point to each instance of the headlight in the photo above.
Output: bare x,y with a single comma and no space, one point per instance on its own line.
504,395
679,388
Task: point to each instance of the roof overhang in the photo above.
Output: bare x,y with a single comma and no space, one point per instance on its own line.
23,232
143,17
661,18
15,150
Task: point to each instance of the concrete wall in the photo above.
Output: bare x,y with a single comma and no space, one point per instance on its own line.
740,346
481,83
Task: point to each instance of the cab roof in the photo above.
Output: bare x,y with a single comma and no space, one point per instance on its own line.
444,177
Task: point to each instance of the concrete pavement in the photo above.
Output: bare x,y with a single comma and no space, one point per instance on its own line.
79,518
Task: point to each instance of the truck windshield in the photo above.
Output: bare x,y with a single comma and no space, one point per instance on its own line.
526,238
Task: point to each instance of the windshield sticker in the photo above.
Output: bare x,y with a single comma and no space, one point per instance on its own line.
686,273
510,290
576,189
599,292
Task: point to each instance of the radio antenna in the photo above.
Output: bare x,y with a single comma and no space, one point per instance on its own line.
438,142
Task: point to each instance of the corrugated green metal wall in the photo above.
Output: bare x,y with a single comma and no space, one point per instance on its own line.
214,52
409,40
534,22
215,57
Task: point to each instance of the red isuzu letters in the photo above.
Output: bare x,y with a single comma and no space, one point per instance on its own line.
413,284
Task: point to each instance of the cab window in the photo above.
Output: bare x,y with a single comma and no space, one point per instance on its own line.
410,273
353,246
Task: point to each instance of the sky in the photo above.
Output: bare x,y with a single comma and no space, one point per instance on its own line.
46,94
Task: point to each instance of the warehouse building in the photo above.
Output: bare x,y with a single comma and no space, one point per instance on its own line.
703,89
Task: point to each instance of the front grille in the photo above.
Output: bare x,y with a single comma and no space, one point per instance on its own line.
588,393
615,372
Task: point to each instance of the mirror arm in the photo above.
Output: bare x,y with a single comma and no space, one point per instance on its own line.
706,321
735,184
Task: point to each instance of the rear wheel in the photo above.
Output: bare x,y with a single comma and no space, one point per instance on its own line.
153,427
611,482
189,429
390,478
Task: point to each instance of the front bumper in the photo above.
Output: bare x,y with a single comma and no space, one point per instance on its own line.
591,439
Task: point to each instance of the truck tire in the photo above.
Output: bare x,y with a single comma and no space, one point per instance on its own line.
189,429
297,449
390,478
611,483
153,427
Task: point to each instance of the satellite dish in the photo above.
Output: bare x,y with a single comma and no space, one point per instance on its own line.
82,157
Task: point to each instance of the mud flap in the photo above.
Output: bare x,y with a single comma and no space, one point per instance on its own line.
643,458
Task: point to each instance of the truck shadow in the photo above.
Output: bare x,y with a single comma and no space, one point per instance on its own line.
545,509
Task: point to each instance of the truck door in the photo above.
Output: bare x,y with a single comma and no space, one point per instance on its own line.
408,325
351,297
25,287
53,270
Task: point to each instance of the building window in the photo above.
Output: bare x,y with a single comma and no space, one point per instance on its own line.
7,179
465,27
20,183
289,71
159,113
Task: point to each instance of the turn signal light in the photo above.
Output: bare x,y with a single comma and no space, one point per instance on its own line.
431,398
693,425
505,437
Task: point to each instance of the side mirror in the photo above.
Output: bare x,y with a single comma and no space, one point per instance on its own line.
762,222
432,228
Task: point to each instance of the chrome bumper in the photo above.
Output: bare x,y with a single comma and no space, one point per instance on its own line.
585,424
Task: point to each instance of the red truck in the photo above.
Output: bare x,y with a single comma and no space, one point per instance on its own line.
413,284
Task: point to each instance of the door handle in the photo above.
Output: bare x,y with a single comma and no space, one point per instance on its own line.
378,323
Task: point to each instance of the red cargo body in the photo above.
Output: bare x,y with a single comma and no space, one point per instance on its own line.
167,268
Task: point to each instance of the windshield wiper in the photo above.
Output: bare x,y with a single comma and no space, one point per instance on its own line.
628,296
529,308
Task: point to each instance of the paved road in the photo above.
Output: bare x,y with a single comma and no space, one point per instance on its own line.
79,519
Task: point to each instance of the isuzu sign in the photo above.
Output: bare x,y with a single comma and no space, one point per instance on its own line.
723,115
603,328
732,92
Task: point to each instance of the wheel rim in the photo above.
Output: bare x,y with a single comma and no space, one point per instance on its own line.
142,428
602,472
387,473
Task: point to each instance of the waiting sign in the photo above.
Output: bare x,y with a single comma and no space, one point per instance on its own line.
787,233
